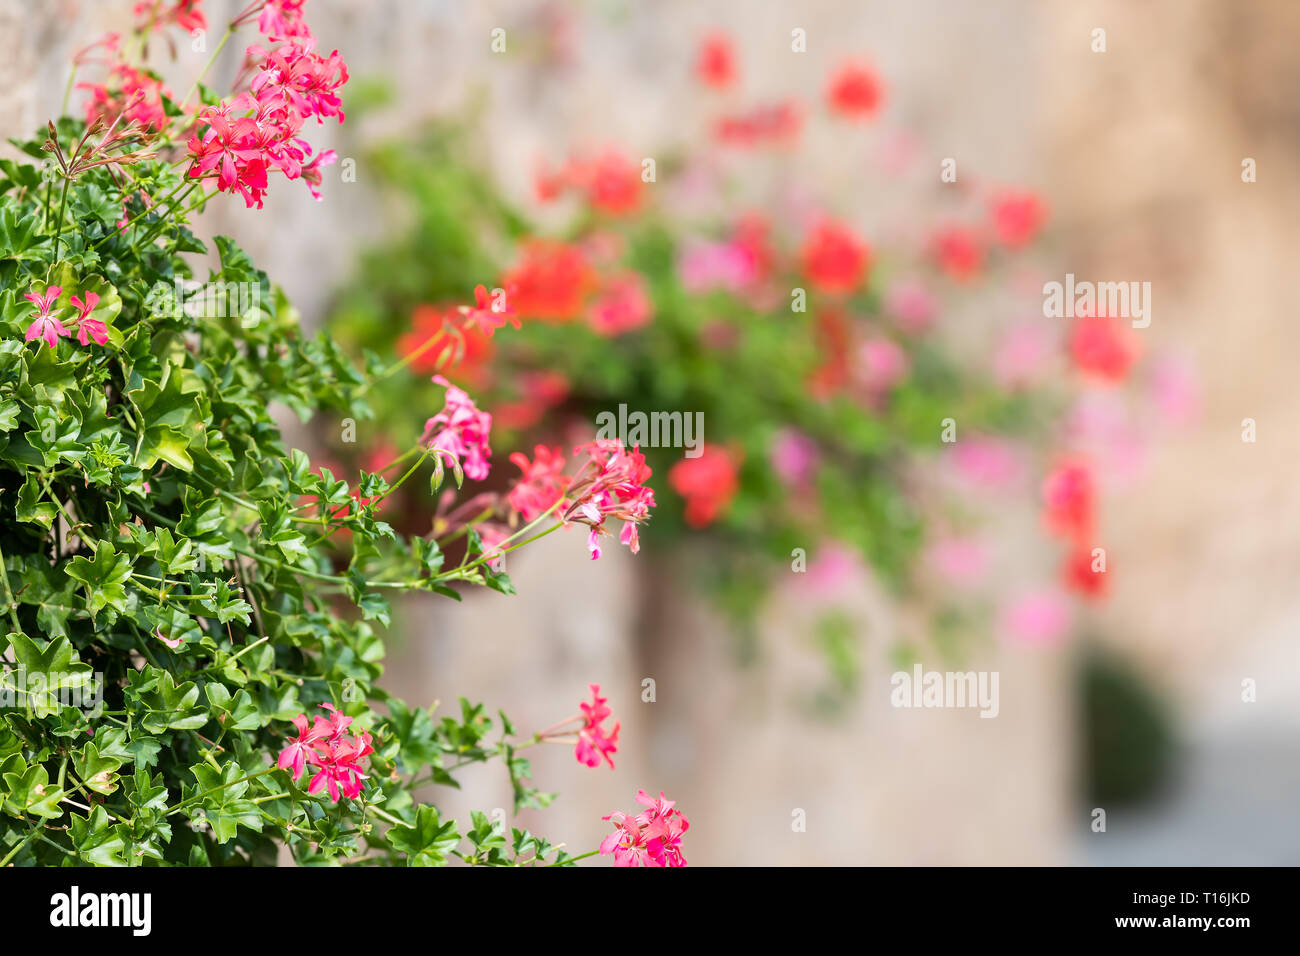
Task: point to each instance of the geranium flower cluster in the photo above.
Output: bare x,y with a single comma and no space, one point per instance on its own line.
593,741
461,431
652,837
327,746
48,327
241,141
1070,512
610,484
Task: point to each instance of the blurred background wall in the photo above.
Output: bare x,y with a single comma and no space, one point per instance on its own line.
1139,152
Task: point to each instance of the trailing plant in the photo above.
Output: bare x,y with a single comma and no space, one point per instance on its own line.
193,614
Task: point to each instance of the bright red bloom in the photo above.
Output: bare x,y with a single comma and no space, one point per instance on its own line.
651,838
855,91
460,430
542,483
624,304
708,483
610,484
1103,349
959,252
1017,217
1078,576
436,345
716,64
594,742
1069,501
834,259
487,313
550,282
612,182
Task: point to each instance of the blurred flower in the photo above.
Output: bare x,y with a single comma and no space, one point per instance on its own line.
542,483
153,14
988,462
959,252
855,91
778,123
793,456
832,568
1078,574
831,335
716,64
882,364
960,562
611,182
1174,391
834,259
1103,348
1018,217
282,20
1038,618
460,430
1069,500
912,305
488,314
623,305
433,344
708,483
542,390
551,281
1022,354
710,265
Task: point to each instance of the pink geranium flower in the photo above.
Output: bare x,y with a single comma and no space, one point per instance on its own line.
461,431
611,484
46,326
172,643
88,328
542,483
594,742
651,838
335,753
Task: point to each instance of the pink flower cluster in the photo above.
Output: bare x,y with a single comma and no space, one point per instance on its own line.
610,484
593,740
651,838
328,746
243,140
461,430
49,328
542,484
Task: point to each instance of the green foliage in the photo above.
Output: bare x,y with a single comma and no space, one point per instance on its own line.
174,587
